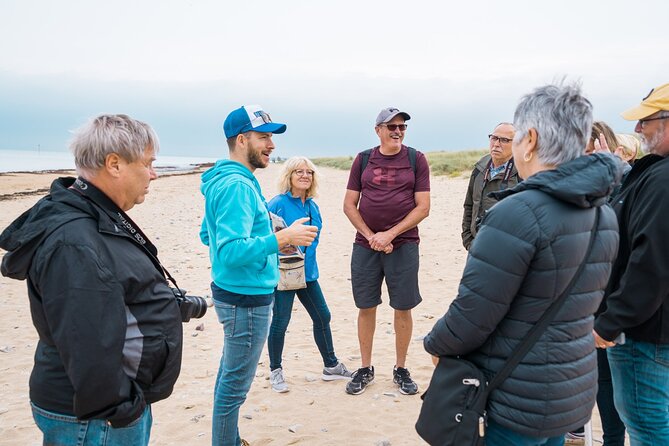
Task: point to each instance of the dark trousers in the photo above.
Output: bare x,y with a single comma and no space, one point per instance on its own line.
612,426
313,301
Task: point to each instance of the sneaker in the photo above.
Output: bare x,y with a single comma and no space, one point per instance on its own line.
402,378
574,438
277,381
361,378
337,372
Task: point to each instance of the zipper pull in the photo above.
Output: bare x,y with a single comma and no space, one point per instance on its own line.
471,382
481,427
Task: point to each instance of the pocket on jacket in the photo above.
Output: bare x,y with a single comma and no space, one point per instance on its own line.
154,357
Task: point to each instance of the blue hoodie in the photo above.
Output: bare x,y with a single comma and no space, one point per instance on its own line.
290,209
236,227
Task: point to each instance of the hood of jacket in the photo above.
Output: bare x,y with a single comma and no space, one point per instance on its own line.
586,181
23,236
223,171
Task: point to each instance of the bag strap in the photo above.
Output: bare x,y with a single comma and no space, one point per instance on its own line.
535,332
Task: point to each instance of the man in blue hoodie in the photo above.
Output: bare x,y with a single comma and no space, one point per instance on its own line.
243,251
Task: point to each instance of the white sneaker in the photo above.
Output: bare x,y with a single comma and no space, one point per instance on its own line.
277,381
337,372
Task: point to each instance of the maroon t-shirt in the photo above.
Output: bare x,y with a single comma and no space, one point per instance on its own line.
387,191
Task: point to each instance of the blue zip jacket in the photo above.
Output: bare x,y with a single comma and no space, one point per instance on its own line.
290,209
236,227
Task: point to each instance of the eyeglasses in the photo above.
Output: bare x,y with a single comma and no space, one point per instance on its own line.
393,127
302,173
642,122
495,138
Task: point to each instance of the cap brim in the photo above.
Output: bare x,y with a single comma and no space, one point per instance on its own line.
271,127
405,115
639,112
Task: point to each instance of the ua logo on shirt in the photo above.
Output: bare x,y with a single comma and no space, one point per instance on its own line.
384,176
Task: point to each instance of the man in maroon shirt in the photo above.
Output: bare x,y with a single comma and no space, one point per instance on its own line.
386,198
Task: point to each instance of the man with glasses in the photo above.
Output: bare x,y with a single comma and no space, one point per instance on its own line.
491,173
243,250
388,194
636,315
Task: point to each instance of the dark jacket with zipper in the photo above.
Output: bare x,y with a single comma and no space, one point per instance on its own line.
637,296
110,334
528,249
478,200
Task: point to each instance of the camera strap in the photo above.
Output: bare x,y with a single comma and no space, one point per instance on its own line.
106,205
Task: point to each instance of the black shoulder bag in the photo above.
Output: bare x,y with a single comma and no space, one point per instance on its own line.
454,405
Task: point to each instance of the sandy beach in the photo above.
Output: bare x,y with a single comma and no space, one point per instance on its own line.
314,412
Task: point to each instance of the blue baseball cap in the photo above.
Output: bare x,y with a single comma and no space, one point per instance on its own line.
250,118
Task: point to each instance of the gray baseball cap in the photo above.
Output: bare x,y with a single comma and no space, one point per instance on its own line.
387,114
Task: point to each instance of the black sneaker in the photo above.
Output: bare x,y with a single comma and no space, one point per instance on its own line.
402,378
362,377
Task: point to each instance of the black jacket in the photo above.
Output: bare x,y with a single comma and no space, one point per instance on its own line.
109,327
529,247
637,297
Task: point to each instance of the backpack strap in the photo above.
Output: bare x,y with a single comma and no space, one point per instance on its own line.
364,159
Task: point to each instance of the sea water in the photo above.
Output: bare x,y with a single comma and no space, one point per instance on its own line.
34,161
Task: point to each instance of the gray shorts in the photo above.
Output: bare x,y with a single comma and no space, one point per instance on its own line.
399,268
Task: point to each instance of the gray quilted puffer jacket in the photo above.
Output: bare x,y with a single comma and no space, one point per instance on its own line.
527,250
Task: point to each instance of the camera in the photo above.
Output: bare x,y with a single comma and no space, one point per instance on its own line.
189,306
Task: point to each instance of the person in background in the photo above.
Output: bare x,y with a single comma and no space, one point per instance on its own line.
298,186
629,147
109,326
525,254
604,140
243,251
494,172
385,201
637,296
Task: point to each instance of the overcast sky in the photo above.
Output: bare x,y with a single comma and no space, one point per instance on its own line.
323,68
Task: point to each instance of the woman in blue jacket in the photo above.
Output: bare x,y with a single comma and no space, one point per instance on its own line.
298,185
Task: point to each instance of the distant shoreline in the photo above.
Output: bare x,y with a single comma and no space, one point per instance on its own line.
163,171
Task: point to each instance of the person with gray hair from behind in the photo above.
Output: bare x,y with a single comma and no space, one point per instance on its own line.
109,325
529,248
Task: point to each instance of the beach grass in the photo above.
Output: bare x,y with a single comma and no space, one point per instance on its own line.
441,163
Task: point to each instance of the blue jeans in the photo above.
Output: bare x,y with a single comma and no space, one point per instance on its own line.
640,373
313,301
612,426
496,435
245,330
67,430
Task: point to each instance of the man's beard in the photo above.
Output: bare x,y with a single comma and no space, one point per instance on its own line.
255,159
647,146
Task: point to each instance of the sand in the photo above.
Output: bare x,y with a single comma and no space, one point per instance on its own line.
314,412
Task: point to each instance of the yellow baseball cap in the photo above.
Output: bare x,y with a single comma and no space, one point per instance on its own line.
657,99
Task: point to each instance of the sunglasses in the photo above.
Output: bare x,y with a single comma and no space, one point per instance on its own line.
393,127
495,138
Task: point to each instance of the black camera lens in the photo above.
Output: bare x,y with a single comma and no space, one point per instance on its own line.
190,306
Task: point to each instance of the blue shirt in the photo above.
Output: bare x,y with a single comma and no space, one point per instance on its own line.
290,209
496,170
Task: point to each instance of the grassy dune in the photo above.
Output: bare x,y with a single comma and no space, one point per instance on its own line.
441,163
